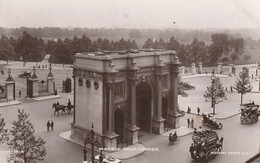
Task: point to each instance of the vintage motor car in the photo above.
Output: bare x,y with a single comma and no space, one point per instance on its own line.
25,74
249,113
206,145
209,121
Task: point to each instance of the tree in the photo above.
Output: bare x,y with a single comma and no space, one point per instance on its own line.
198,51
215,93
173,44
3,132
247,57
6,49
236,48
29,148
243,84
148,43
219,46
30,48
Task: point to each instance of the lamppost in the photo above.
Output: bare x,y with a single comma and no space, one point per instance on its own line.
258,73
213,77
93,141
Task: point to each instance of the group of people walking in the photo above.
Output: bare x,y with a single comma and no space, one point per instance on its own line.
190,122
189,110
50,125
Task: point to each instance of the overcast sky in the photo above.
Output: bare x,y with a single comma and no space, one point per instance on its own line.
131,13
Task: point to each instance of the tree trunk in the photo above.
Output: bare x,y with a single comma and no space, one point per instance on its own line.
241,98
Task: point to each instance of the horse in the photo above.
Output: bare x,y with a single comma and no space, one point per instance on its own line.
58,108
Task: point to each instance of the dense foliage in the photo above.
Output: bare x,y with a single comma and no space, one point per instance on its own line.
24,144
243,84
3,131
27,47
215,93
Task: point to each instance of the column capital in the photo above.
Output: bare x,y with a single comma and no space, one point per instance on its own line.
159,76
132,81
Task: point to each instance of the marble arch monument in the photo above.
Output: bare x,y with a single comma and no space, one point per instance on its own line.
122,93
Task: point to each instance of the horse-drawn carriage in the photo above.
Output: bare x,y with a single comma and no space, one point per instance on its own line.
249,113
173,138
209,121
65,109
206,144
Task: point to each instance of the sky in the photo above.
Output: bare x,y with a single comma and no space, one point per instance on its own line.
130,13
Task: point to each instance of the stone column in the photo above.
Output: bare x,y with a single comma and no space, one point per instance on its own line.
111,107
10,87
35,84
50,82
219,67
50,85
173,115
200,68
182,70
193,68
158,121
111,136
132,131
74,98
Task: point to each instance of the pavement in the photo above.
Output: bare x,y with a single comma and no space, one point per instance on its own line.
181,131
3,104
119,153
46,97
136,149
15,102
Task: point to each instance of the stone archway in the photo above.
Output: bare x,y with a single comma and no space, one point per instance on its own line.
143,106
119,121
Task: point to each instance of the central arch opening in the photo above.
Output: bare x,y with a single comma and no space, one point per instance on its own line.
143,106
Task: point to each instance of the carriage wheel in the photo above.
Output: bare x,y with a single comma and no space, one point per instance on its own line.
220,126
242,119
253,118
207,156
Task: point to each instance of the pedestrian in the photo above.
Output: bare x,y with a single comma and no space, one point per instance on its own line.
52,125
231,89
48,126
188,121
200,129
58,103
69,103
189,109
192,123
198,110
226,88
20,93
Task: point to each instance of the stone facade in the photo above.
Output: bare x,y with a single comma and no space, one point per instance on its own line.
123,93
